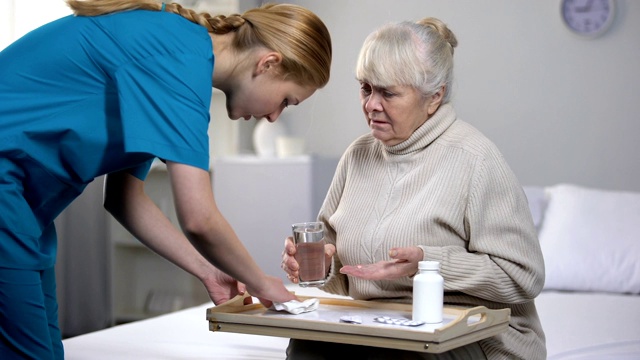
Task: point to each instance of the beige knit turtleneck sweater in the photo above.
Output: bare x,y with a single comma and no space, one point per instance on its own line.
448,190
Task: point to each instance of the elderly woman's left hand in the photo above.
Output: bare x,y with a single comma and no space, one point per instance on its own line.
405,263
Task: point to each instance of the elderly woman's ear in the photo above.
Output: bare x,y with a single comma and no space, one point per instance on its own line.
435,100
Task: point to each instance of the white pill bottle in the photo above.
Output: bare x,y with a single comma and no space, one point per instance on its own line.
428,293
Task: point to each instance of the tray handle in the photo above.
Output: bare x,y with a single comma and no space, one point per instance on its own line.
235,305
464,324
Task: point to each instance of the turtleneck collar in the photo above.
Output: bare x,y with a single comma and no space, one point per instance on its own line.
426,133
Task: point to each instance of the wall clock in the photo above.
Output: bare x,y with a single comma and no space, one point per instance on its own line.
588,18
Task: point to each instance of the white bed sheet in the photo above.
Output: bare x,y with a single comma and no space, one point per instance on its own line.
180,335
577,325
590,325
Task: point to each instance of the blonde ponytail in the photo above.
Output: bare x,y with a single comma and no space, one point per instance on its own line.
219,24
293,31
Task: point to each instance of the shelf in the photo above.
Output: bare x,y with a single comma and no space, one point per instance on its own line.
262,197
253,159
144,283
148,285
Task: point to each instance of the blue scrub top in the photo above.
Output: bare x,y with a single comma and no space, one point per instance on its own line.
85,96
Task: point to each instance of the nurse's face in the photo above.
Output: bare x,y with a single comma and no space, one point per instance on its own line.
264,96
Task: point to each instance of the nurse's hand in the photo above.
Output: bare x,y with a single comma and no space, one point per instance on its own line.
222,287
290,264
405,263
270,289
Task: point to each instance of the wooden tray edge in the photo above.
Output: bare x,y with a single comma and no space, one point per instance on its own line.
366,340
228,317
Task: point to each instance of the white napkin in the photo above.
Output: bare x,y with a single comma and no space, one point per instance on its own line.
296,307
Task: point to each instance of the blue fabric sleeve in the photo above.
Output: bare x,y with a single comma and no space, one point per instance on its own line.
164,106
141,171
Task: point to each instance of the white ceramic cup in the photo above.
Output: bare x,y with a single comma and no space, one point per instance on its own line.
289,146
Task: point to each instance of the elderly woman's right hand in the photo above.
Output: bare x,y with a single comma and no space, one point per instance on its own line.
290,264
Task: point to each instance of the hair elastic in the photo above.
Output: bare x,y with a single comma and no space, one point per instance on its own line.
163,6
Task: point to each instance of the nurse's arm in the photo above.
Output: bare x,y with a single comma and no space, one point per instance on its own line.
125,199
200,219
212,235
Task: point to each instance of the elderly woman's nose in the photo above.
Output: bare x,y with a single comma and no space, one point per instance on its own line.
372,103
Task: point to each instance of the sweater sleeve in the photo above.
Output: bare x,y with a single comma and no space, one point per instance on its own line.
337,283
503,262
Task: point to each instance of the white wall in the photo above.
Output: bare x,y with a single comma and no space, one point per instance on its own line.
561,108
19,17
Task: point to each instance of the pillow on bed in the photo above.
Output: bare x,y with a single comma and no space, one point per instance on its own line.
537,203
590,240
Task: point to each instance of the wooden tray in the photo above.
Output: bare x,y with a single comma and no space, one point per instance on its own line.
460,326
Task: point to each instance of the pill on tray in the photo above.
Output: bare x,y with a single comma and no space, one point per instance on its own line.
351,319
397,321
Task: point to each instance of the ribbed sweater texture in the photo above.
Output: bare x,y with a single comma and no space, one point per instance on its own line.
448,190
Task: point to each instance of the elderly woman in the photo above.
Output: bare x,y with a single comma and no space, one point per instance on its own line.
424,185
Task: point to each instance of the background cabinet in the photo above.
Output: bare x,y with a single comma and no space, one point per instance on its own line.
262,197
144,283
259,197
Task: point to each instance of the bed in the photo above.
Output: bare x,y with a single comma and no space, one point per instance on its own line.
590,307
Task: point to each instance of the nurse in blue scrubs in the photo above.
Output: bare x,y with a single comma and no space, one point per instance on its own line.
107,91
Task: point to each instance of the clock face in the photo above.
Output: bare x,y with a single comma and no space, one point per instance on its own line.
588,17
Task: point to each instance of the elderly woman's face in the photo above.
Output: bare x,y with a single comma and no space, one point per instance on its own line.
394,113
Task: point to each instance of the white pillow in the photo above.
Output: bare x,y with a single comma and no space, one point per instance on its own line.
537,203
590,240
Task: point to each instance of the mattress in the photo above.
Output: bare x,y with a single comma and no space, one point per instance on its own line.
588,325
182,334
